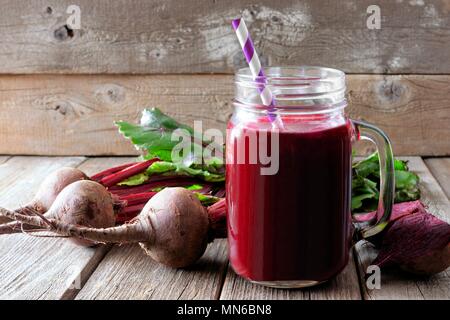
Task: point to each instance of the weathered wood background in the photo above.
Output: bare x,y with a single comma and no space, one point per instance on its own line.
195,36
61,89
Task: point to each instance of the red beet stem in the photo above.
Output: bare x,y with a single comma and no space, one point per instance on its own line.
220,193
137,198
218,219
129,213
123,218
121,175
100,175
133,208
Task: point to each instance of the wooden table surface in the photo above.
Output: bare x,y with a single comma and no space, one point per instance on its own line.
52,268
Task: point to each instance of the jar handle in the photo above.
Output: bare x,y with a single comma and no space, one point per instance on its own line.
366,131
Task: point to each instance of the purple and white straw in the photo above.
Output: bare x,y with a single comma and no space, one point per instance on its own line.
253,61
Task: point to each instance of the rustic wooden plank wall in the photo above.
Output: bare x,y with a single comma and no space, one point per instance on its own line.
194,36
61,89
74,114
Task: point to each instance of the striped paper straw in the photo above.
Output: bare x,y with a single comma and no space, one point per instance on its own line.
253,61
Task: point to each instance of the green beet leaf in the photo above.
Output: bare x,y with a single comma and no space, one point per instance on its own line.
179,169
366,183
195,187
135,180
206,200
154,135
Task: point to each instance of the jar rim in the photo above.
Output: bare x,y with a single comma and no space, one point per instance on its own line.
305,73
292,110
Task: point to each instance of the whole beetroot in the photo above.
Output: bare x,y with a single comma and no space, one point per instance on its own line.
82,203
418,243
414,240
48,190
52,185
173,227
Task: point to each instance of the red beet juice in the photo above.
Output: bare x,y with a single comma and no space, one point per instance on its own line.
295,224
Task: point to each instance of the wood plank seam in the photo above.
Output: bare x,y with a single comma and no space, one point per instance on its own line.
442,178
5,159
222,281
361,278
88,269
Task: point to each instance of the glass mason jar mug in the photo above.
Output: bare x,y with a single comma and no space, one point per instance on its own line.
289,177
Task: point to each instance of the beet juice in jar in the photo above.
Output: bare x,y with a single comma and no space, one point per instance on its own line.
289,177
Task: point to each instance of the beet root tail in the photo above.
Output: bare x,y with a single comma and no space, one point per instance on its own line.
16,227
126,233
